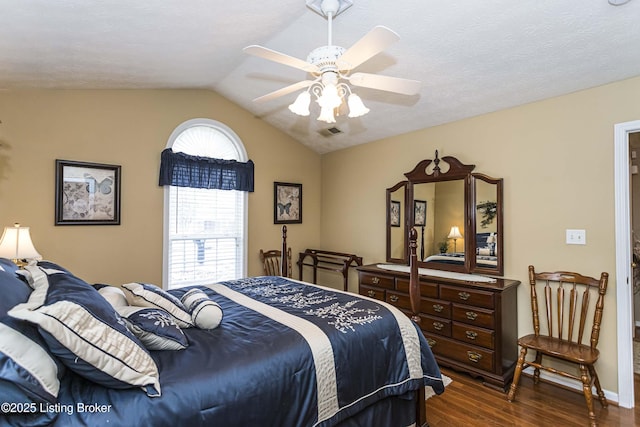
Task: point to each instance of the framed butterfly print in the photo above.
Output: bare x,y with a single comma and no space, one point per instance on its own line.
287,203
87,193
419,212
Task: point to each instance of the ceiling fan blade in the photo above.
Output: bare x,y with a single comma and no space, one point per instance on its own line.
282,58
390,84
285,90
374,42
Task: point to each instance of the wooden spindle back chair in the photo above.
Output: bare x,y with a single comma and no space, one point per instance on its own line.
271,262
567,313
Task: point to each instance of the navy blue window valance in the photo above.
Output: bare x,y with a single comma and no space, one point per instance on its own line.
184,170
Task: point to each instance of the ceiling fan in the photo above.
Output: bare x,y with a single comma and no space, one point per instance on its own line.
331,66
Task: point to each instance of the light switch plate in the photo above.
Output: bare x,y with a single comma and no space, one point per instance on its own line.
576,237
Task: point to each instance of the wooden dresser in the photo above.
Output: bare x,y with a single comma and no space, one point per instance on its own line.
470,326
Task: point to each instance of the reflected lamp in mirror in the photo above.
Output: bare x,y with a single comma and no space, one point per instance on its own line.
455,235
16,245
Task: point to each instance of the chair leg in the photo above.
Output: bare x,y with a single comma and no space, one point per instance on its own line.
516,375
536,371
596,381
586,389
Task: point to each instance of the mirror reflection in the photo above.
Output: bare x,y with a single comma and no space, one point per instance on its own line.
396,224
487,223
444,213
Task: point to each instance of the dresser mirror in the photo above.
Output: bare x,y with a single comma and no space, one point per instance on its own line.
457,213
397,232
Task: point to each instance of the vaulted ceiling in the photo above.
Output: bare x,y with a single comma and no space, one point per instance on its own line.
471,56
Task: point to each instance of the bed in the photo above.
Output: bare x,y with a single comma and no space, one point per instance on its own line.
283,353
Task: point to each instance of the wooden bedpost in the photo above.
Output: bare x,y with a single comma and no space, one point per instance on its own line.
414,280
414,297
284,262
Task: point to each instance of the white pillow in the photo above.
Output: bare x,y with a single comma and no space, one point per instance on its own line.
206,313
114,295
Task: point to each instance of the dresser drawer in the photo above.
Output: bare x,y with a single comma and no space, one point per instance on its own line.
436,307
467,354
398,299
435,325
473,335
376,280
371,292
427,289
474,316
468,296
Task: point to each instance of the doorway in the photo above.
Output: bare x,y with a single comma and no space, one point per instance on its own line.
624,283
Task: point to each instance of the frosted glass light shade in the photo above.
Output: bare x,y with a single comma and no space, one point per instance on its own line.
301,105
326,115
330,97
16,244
356,107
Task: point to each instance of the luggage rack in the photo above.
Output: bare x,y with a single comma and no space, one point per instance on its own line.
327,260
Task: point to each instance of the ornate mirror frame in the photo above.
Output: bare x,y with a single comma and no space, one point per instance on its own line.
483,207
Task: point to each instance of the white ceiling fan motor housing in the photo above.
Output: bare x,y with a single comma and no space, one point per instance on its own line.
325,57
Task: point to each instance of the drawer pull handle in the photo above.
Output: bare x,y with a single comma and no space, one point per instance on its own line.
438,326
471,335
375,280
471,315
464,295
371,293
438,308
431,342
473,356
393,298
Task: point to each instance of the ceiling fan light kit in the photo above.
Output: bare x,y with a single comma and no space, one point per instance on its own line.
331,66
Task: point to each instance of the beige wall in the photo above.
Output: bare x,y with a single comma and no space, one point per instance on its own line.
556,158
131,128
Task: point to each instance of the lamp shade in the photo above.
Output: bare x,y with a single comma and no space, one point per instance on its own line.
16,244
455,233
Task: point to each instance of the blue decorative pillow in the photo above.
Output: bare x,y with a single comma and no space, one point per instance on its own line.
86,333
145,295
28,371
7,265
52,266
154,327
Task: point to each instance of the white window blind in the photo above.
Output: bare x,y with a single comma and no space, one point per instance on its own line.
204,229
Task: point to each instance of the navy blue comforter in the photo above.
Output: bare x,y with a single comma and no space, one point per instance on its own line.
285,354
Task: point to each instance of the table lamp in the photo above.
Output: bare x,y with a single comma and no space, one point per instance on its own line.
16,245
455,235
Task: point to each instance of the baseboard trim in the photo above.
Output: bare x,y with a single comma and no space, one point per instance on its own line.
569,383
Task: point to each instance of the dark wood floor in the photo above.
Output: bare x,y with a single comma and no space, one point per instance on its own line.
466,402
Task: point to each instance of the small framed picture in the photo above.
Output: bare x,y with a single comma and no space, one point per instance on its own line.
287,203
87,193
394,214
419,212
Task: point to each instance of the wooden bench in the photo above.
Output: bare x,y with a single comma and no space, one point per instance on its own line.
327,260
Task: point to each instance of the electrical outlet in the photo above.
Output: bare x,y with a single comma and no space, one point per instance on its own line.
576,237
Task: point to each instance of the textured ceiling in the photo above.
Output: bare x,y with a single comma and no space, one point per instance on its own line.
472,56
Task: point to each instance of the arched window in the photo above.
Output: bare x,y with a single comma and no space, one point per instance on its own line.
204,229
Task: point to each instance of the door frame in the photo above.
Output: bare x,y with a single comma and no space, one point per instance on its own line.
624,288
